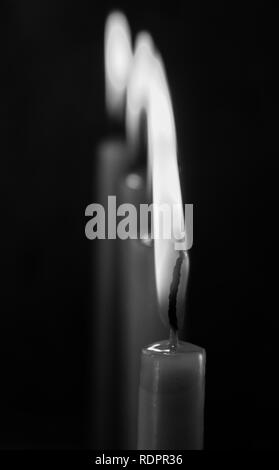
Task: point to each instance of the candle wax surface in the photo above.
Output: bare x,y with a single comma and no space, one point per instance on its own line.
112,160
171,397
138,318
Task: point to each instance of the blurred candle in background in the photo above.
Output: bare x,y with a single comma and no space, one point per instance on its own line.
139,322
112,162
137,99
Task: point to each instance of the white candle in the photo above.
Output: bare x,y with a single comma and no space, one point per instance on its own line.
171,397
171,392
113,158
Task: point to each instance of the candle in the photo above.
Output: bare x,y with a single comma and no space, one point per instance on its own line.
171,392
171,397
125,270
113,158
132,271
139,323
112,162
172,383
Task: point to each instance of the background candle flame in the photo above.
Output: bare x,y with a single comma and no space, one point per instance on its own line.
118,60
139,86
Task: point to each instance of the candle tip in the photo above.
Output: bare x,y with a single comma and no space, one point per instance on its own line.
173,341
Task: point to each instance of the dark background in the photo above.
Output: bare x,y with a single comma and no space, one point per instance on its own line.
220,62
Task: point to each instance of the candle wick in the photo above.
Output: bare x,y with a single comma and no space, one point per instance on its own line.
173,340
172,314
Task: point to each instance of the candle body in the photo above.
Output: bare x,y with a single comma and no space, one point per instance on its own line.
112,161
171,397
139,320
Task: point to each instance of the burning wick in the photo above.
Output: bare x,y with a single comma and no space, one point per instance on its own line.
172,301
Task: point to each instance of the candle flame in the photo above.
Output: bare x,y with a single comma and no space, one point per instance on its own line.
162,148
148,92
118,59
142,78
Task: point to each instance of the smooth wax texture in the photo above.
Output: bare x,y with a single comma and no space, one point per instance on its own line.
171,397
112,161
139,320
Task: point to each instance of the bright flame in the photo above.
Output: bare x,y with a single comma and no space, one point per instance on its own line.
148,92
118,60
143,77
166,187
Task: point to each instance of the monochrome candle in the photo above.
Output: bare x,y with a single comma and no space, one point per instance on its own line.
171,397
142,279
171,390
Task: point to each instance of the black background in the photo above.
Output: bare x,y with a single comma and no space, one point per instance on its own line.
220,61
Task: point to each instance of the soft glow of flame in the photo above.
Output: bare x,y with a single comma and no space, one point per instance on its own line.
143,78
118,60
148,92
138,90
166,188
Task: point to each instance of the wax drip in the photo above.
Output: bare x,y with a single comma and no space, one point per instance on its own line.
172,314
